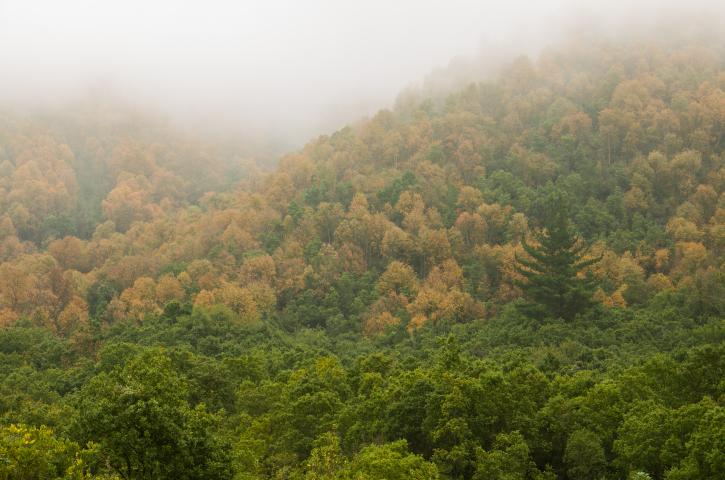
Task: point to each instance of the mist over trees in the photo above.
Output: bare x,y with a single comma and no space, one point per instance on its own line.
509,276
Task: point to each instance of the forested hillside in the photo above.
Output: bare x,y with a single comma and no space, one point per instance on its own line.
520,280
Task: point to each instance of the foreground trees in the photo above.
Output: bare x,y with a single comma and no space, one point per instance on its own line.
145,428
31,453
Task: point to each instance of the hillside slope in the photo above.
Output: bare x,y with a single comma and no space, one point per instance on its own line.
361,309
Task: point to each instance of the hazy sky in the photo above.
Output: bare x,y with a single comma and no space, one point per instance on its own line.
277,67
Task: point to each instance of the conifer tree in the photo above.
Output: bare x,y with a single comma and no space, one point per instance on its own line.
553,285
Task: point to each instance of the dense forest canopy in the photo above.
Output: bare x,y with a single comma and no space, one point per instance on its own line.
379,306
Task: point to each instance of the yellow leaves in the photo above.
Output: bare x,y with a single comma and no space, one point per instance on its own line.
416,322
43,186
398,278
377,324
327,265
615,268
7,229
326,218
659,165
428,304
16,286
629,270
442,297
499,262
169,288
130,156
530,166
15,429
245,303
415,221
662,259
204,298
716,231
434,305
263,295
412,207
240,300
685,166
658,282
128,202
635,200
617,298
71,253
352,258
260,268
27,285
74,315
683,230
398,244
690,212
397,284
600,295
578,124
291,267
631,95
279,189
689,256
300,169
21,217
518,227
435,246
237,240
445,276
185,280
472,228
446,152
11,247
8,317
705,197
202,272
363,230
495,217
359,206
140,299
469,198
466,145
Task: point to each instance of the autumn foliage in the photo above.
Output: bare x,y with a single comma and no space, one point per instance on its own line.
295,316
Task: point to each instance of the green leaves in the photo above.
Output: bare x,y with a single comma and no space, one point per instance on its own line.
30,453
389,461
144,426
552,270
584,456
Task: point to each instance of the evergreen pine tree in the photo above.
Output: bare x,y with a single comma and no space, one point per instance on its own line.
552,283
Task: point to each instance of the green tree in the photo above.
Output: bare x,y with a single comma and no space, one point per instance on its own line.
144,425
642,437
326,459
584,456
508,460
391,461
553,284
37,453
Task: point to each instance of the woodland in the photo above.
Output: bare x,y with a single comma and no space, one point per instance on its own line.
521,279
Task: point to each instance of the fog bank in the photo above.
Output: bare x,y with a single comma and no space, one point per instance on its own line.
283,70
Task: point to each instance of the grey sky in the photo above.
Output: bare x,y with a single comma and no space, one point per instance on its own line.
276,67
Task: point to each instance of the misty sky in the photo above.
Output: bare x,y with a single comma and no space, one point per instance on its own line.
283,68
